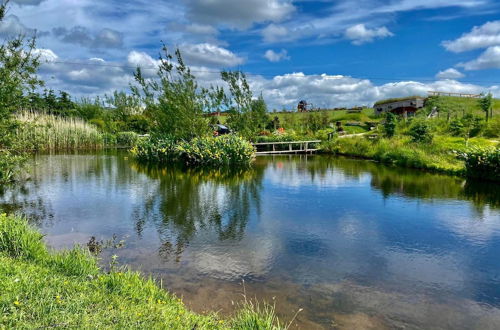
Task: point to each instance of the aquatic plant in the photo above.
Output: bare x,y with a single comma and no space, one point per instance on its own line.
204,151
48,132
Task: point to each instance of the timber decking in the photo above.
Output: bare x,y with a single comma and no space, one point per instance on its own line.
303,147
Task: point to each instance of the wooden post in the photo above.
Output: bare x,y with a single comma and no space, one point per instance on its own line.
290,147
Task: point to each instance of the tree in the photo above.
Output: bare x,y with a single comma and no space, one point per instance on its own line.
246,115
173,99
124,105
485,103
390,124
18,76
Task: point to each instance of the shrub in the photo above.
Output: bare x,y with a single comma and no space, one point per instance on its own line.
390,124
482,163
212,151
420,131
11,163
127,139
492,130
223,150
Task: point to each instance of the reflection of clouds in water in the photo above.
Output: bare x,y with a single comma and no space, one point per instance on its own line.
251,258
478,230
295,176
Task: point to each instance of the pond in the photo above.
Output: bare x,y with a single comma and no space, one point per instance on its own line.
353,243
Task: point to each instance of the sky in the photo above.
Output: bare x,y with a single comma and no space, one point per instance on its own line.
339,53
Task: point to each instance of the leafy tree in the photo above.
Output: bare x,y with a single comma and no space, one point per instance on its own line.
420,131
246,115
485,103
390,124
174,100
124,105
18,68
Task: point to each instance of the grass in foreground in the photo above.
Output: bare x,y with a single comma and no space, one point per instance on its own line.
41,289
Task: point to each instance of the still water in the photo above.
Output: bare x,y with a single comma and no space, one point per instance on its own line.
355,244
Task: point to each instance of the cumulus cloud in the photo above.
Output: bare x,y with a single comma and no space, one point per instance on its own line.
360,34
450,73
105,38
273,56
239,14
209,55
482,36
489,59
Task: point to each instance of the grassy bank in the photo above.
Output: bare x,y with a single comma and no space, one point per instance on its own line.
44,289
441,155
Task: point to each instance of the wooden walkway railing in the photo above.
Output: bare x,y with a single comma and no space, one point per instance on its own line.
290,147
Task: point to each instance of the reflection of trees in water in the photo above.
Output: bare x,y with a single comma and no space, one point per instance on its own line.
103,170
406,182
26,199
185,202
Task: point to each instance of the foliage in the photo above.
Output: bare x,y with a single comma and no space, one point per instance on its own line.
123,105
174,99
468,126
11,164
67,289
246,116
390,124
486,103
18,68
420,131
400,152
48,132
212,151
220,151
127,139
492,129
481,163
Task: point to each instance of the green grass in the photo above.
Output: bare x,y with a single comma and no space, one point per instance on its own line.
438,156
44,289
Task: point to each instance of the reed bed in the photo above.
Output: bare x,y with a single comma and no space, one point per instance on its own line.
44,132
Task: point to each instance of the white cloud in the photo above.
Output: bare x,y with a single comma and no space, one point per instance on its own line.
273,56
210,55
46,55
482,36
489,59
239,14
274,32
359,34
450,73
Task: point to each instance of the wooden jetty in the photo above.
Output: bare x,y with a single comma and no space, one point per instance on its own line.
287,147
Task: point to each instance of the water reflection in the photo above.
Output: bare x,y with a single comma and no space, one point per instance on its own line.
353,242
182,202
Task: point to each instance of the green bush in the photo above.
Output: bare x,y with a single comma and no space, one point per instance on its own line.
420,131
482,163
109,139
127,139
11,164
390,124
223,150
492,129
212,151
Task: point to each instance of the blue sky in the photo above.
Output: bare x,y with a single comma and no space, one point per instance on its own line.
332,53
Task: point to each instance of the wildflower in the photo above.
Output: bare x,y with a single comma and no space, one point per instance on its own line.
17,303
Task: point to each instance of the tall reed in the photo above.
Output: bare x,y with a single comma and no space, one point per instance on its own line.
43,132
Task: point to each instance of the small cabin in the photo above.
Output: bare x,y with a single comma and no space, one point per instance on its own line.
403,106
